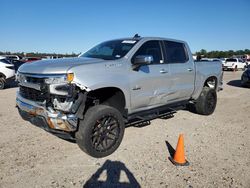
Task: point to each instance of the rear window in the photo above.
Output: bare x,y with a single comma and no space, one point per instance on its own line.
175,52
5,61
231,60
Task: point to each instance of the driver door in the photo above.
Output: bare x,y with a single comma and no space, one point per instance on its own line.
148,84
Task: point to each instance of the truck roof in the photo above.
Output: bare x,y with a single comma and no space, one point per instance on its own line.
150,38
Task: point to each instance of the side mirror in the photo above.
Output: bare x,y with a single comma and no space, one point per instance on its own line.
143,60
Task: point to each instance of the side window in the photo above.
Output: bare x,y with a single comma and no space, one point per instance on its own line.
175,52
151,48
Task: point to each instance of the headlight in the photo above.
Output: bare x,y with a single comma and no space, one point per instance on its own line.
20,78
60,79
55,80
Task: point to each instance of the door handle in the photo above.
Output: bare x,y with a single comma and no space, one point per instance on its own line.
190,69
163,71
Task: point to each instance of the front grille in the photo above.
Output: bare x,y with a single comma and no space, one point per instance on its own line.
34,80
32,94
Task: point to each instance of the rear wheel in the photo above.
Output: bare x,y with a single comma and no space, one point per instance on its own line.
2,83
206,103
235,68
101,131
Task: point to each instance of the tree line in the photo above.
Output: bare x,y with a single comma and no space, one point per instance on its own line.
221,54
202,52
41,55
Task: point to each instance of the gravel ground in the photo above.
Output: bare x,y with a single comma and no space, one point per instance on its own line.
217,148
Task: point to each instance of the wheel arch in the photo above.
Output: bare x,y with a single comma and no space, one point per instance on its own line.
112,96
211,82
2,75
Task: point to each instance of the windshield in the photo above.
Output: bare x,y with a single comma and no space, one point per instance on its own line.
111,50
231,60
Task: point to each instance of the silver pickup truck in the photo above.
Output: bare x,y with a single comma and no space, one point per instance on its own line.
93,97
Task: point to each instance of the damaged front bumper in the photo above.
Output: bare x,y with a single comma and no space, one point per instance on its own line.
46,118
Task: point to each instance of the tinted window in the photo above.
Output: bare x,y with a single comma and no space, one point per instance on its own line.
175,52
151,48
111,50
5,61
231,60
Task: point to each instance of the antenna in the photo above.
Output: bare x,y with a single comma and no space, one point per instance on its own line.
136,36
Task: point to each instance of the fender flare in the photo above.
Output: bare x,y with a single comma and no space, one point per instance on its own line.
2,75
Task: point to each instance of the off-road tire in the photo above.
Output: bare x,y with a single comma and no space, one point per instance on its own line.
2,83
206,103
97,130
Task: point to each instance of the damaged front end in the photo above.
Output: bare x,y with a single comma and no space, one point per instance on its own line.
52,102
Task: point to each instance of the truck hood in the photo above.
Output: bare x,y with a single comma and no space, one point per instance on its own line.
229,63
55,66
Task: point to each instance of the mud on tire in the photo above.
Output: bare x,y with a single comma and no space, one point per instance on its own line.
101,131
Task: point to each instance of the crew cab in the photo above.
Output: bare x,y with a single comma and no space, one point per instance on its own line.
234,64
91,98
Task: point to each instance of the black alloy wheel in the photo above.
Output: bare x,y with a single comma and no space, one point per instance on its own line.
211,102
105,133
206,103
101,131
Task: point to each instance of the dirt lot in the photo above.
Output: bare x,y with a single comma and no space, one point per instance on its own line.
217,148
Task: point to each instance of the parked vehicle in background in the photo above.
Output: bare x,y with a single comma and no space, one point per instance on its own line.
217,59
243,57
234,64
17,64
30,59
210,60
7,71
51,57
245,78
13,57
205,59
223,60
92,97
248,62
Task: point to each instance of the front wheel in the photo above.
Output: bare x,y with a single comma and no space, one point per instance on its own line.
2,83
206,103
101,131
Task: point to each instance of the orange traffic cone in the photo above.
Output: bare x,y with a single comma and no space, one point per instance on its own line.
179,156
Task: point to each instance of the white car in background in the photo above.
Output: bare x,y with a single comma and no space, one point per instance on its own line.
234,64
223,60
7,71
13,57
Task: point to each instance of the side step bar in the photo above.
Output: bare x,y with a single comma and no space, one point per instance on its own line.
163,111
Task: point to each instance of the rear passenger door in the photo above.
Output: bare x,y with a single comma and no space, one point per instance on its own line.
182,71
